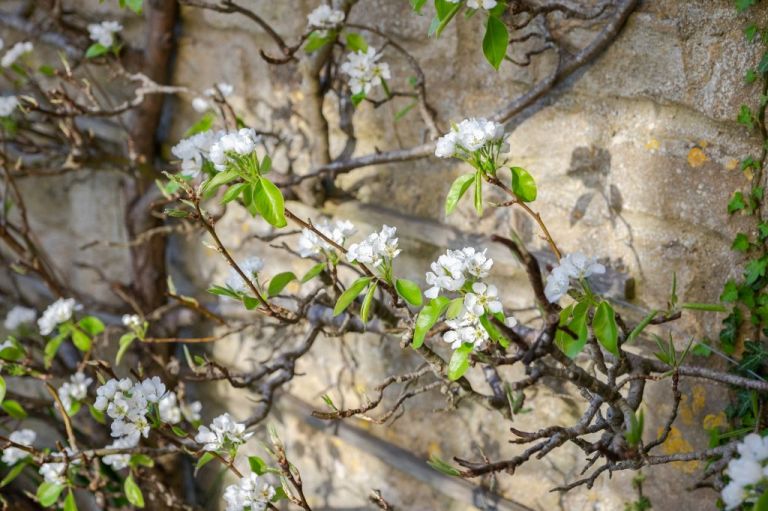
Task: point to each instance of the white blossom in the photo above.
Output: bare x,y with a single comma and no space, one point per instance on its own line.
16,51
19,315
169,409
376,249
191,411
466,329
325,18
104,32
200,104
54,472
754,447
364,70
481,298
58,312
222,435
747,471
22,437
311,244
7,105
476,4
118,461
128,403
250,267
470,135
454,268
572,266
235,144
251,493
132,321
194,150
76,389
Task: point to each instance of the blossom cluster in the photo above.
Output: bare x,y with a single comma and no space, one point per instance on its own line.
251,267
378,249
454,268
7,105
74,390
252,493
364,70
311,244
18,316
22,437
231,146
470,136
194,150
324,18
128,403
476,4
573,266
15,52
58,312
746,472
224,434
104,32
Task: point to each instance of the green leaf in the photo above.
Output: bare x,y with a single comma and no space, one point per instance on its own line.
730,292
762,503
740,243
91,325
454,308
134,5
404,111
265,165
133,492
69,503
523,184
746,117
635,433
96,50
48,493
641,326
755,269
125,342
204,459
417,5
495,41
258,466
2,388
459,362
352,292
97,415
743,5
358,98
279,282
202,125
81,340
14,472
179,432
410,291
459,187
427,318
223,291
268,201
233,192
14,409
736,203
479,193
141,460
442,467
356,43
574,319
445,13
604,327
706,307
219,179
365,308
313,272
315,41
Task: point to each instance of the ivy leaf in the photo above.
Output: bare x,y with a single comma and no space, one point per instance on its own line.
410,291
279,282
427,318
133,492
268,201
459,362
755,269
356,43
495,41
459,187
352,292
740,243
523,184
730,292
736,203
48,493
605,328
743,5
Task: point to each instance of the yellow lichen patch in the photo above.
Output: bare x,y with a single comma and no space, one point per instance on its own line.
676,444
703,144
749,173
713,421
731,164
691,405
652,145
697,157
699,398
433,449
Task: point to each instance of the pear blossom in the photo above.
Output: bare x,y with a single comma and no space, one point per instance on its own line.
747,471
466,329
194,150
224,434
118,461
469,136
132,321
481,298
7,105
16,51
573,266
22,437
200,105
169,409
191,411
76,389
54,472
232,145
252,493
128,403
104,32
454,268
250,267
311,244
324,18
364,70
477,4
377,249
58,312
19,315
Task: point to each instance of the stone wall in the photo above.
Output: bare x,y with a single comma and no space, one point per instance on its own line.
635,157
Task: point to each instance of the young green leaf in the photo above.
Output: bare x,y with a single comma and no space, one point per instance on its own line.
81,340
48,493
2,389
454,308
523,184
69,503
14,472
219,179
125,342
268,201
605,328
459,187
356,43
410,291
279,282
635,433
352,292
141,460
133,492
706,307
313,272
641,326
95,50
571,336
14,409
315,41
495,41
427,318
365,308
258,466
442,466
459,362
417,5
233,192
479,193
